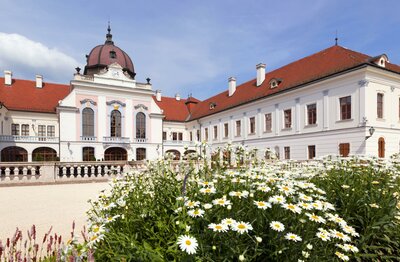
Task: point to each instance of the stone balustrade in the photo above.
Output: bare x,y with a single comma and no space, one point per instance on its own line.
12,138
67,172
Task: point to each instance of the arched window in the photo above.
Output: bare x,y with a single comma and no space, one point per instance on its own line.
177,154
140,154
115,123
88,154
44,154
140,125
88,122
381,147
115,154
14,154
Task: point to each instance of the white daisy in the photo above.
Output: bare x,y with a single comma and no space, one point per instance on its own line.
192,204
277,199
262,204
208,190
342,256
306,206
239,194
339,235
222,202
264,188
218,227
188,244
228,221
292,237
350,230
315,218
323,236
242,227
207,206
287,190
293,208
277,226
196,212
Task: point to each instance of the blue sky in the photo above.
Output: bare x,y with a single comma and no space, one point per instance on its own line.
189,46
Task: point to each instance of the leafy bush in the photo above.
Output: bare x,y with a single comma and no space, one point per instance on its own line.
277,211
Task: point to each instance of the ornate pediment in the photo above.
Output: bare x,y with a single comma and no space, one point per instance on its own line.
87,100
112,102
141,106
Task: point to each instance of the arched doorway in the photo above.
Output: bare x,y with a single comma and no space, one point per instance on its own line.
381,147
177,154
115,154
187,152
44,154
14,154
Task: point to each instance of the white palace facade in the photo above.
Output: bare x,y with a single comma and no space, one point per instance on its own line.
336,101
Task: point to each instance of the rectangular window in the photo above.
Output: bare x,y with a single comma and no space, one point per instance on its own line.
164,135
345,107
174,136
51,131
88,154
287,152
344,149
191,136
268,122
312,114
311,152
215,132
252,122
238,128
288,118
379,105
226,130
180,136
15,129
198,135
42,130
206,134
24,130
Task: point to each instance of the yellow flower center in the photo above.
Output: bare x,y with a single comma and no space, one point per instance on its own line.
241,226
285,188
187,242
315,217
291,207
218,227
261,204
221,202
208,190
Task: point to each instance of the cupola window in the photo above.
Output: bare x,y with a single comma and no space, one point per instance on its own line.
113,54
212,106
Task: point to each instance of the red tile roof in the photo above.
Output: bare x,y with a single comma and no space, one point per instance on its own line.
175,110
314,67
23,95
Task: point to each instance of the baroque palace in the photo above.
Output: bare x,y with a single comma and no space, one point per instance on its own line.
336,101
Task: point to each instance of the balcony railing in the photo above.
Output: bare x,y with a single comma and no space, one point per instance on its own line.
178,142
88,138
140,140
40,139
116,139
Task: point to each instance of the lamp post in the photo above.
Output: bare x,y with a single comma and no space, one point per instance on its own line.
371,131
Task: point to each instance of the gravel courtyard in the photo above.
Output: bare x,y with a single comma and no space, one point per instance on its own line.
45,206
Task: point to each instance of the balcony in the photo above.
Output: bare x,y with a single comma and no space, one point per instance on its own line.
29,139
116,140
140,140
88,138
178,142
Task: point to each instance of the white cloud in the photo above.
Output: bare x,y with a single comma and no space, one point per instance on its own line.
27,58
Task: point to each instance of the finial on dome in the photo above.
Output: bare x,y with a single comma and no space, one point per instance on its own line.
109,35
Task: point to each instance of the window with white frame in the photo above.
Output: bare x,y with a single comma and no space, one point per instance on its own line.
287,114
268,122
311,114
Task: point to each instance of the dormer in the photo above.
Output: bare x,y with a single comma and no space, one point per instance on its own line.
212,105
380,60
274,82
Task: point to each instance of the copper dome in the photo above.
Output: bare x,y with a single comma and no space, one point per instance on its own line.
103,55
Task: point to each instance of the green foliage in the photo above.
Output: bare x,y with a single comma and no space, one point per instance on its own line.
329,209
366,192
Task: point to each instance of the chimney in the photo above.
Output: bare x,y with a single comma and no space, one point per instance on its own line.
231,85
7,78
260,73
158,95
177,97
39,81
